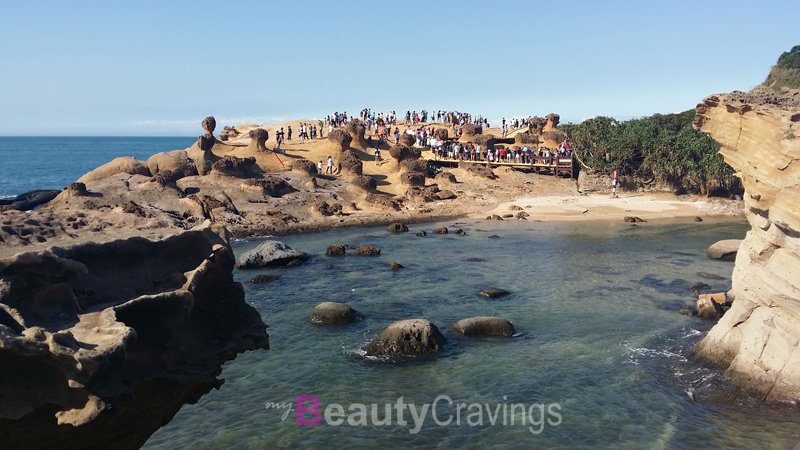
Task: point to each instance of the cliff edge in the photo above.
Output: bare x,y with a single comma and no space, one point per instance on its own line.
758,340
102,342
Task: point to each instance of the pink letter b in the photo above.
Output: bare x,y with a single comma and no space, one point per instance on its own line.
301,410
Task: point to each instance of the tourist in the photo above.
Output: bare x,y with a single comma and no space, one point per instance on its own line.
329,169
288,133
319,167
377,155
614,183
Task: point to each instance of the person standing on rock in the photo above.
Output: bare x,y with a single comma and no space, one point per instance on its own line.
329,169
319,167
614,183
289,133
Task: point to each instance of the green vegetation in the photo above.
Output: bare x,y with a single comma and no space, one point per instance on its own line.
662,147
786,73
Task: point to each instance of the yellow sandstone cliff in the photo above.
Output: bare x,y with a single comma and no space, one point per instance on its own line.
758,340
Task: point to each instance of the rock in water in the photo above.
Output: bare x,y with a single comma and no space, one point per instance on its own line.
335,250
484,326
333,313
263,278
494,293
407,338
395,266
397,228
368,250
270,254
724,250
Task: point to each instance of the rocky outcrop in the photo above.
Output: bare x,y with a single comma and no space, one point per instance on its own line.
339,140
758,339
270,254
351,163
357,130
124,164
368,250
407,338
407,139
102,343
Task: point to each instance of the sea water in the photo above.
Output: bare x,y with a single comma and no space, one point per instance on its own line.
28,163
600,341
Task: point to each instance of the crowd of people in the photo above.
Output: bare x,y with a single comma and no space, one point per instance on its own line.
456,151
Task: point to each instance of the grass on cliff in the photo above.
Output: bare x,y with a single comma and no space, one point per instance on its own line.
786,73
662,148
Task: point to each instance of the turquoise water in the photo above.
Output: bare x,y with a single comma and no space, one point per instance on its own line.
599,335
28,163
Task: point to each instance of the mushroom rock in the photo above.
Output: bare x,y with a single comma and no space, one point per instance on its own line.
206,142
485,140
357,129
365,182
258,139
350,162
305,167
407,139
441,134
339,140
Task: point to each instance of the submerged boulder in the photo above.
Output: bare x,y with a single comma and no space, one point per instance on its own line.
484,326
333,313
494,292
368,250
407,338
335,250
270,254
397,227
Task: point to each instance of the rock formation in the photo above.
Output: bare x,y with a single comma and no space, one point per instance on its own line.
103,342
332,313
206,142
258,138
339,140
484,326
357,129
270,253
758,339
124,164
407,338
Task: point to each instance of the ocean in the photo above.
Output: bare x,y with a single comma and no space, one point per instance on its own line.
28,163
601,359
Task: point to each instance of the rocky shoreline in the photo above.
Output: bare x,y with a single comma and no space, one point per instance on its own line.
758,339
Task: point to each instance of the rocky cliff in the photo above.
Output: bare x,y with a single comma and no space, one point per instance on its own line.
102,342
758,340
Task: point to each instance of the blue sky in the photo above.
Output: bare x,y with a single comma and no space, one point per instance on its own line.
158,68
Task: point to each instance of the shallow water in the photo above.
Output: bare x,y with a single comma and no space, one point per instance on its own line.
599,335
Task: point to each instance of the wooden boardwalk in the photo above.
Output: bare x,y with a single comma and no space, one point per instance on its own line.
556,166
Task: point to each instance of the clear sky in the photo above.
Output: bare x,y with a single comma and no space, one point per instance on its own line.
158,67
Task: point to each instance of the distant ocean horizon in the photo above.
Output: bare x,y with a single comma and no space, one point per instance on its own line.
53,162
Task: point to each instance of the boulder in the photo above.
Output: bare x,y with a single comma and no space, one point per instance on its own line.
350,162
304,166
441,134
263,278
421,233
124,164
272,186
397,228
494,292
484,140
407,139
407,338
484,326
708,309
395,266
332,313
633,219
440,230
400,152
270,254
335,250
365,182
445,176
471,130
724,250
444,195
368,250
176,161
237,167
29,200
327,208
414,165
413,178
526,138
